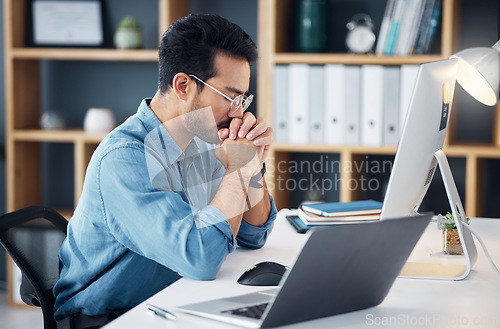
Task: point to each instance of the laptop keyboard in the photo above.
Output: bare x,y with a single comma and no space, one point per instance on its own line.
254,312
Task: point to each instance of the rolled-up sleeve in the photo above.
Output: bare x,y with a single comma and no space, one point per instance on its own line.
250,236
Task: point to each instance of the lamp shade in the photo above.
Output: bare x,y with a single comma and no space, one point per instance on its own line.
478,73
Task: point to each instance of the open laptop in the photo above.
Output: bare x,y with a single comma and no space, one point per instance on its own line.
340,269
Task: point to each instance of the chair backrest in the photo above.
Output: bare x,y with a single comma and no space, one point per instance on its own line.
32,236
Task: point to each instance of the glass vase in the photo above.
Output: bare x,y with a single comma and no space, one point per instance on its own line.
311,26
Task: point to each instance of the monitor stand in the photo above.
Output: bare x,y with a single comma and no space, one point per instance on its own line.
447,271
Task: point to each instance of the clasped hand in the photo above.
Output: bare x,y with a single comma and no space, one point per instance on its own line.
245,144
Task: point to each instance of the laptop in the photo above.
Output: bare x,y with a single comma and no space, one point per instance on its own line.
340,269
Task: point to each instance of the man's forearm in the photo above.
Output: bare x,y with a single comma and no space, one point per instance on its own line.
258,205
231,197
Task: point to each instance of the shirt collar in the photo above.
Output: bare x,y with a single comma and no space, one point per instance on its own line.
147,116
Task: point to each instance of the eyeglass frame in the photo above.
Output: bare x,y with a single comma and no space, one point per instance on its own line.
245,102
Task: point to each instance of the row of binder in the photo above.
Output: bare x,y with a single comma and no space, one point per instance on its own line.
341,104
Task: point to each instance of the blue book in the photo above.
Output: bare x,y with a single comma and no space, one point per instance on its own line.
297,223
425,45
342,209
394,26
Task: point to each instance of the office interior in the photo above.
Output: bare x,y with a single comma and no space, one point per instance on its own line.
71,87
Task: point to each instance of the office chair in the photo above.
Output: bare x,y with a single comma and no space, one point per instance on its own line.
32,236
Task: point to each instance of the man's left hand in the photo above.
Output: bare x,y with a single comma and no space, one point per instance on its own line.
251,128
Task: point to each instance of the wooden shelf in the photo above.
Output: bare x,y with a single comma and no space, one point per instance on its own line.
61,136
352,59
455,150
324,148
85,54
478,150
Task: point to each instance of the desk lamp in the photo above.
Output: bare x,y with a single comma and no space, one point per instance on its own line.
478,72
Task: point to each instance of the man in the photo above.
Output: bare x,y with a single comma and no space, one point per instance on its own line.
160,200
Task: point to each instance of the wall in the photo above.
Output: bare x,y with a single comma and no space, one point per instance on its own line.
480,26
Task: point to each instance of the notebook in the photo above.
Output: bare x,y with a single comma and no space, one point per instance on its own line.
352,266
340,209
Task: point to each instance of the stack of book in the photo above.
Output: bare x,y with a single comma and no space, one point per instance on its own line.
408,27
331,213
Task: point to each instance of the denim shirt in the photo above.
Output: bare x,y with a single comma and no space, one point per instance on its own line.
144,220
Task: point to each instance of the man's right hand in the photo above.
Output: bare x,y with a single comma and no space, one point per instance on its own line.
240,154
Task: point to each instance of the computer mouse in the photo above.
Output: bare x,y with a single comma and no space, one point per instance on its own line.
263,274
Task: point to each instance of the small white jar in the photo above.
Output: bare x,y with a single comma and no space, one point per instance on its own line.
99,120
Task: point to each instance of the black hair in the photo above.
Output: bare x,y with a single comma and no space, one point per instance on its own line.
190,44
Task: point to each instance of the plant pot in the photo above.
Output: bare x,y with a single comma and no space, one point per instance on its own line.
126,38
451,242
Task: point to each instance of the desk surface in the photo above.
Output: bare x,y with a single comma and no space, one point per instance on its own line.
411,303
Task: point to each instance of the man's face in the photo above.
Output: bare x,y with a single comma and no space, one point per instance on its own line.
232,79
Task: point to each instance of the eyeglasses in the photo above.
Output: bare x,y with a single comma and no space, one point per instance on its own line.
236,103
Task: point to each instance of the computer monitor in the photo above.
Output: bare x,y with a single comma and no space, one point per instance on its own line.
423,134
419,154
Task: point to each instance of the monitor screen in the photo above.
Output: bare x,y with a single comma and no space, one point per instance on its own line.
423,134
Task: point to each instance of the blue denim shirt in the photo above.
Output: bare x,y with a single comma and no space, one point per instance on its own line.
143,220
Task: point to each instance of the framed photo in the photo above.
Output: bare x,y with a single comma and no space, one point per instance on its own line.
65,23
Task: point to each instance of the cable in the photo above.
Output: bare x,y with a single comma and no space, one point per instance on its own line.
482,246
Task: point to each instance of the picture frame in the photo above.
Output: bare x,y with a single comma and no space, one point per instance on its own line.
65,23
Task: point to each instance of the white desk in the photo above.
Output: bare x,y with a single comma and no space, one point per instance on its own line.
411,303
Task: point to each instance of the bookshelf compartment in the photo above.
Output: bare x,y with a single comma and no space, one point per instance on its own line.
58,174
329,175
338,14
25,77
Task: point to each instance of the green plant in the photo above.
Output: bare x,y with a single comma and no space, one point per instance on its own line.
449,221
129,23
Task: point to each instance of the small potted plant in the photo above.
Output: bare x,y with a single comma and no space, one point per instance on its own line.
451,239
128,35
